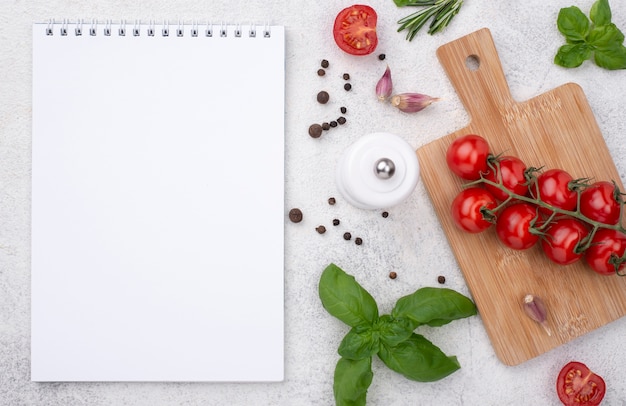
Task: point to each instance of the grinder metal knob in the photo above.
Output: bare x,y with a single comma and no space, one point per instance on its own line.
378,171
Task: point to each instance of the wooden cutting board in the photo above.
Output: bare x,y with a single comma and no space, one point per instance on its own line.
556,129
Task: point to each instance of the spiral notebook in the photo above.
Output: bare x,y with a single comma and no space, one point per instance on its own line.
157,202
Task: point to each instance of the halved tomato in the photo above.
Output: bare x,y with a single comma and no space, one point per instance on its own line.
577,385
355,30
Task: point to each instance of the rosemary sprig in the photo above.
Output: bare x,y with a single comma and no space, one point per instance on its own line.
441,12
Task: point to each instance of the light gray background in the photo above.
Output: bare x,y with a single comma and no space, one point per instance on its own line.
409,242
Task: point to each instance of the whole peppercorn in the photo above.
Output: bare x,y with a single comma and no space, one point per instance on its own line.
441,279
393,275
295,215
358,241
323,97
320,229
315,130
336,222
347,236
332,201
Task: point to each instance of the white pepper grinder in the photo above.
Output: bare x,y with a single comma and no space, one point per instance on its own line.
378,171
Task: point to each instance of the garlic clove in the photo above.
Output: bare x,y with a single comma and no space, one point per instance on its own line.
536,310
412,102
384,85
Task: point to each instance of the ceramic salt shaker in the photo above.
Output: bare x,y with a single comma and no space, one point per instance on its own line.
378,171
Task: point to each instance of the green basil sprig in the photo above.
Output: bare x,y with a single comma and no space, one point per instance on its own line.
391,336
585,37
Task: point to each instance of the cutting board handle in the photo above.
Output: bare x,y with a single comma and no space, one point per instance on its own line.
474,68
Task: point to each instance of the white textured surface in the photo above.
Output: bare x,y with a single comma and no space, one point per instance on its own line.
410,241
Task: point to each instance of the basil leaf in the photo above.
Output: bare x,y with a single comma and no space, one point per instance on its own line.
418,359
359,343
573,24
572,55
352,379
345,299
600,13
605,36
394,331
433,306
611,57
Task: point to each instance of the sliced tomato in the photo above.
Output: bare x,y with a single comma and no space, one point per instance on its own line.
577,385
355,30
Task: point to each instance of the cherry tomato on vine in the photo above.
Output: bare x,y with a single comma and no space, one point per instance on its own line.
577,385
467,156
514,226
511,174
467,209
562,240
598,202
606,244
552,187
355,30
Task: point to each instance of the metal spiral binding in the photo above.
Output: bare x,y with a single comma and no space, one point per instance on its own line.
182,29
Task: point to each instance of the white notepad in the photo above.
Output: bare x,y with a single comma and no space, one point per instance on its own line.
157,202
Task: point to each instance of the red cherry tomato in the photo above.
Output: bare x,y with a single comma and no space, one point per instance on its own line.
576,385
598,202
511,175
467,209
514,226
562,240
355,30
552,187
467,156
606,244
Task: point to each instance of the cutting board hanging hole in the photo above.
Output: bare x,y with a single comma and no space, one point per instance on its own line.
472,62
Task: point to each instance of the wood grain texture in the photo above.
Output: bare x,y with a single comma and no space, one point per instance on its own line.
556,129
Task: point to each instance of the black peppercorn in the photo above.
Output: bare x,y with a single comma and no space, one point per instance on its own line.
385,214
325,126
315,130
320,229
333,123
341,120
295,215
323,97
382,57
347,236
358,241
393,275
441,279
343,110
346,76
325,63
347,86
332,200
321,72
336,222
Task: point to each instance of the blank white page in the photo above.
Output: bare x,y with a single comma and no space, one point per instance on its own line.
157,203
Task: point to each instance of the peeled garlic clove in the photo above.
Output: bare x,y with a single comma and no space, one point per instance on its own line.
412,102
384,86
536,310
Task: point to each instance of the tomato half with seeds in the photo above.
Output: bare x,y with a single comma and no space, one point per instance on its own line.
577,385
355,30
562,240
470,209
